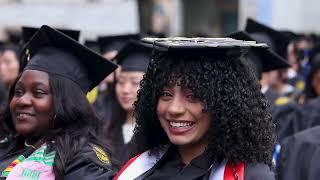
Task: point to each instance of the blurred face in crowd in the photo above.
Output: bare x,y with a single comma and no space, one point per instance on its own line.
277,77
9,67
316,82
182,117
32,104
127,86
292,57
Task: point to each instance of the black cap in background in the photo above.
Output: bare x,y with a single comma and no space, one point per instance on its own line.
280,40
117,42
267,57
134,56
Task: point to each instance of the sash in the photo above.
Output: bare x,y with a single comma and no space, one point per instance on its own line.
141,163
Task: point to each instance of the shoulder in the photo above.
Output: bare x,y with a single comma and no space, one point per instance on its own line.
260,171
93,154
299,155
92,162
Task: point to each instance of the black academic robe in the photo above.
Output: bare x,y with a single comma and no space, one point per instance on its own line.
299,157
271,96
170,167
103,106
86,165
312,113
288,119
297,82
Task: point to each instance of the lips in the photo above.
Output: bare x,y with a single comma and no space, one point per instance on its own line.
125,99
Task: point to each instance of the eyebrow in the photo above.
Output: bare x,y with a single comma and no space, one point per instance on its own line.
33,83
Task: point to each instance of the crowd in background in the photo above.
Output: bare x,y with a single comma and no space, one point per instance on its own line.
292,91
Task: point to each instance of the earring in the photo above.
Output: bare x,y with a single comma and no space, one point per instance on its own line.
53,120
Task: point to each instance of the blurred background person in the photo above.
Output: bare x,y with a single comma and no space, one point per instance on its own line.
102,100
133,60
9,64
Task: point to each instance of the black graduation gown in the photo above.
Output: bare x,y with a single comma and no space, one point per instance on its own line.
299,158
169,167
312,113
297,82
120,150
103,106
288,119
85,165
271,96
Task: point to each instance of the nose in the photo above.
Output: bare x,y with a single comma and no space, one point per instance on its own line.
126,88
24,100
176,107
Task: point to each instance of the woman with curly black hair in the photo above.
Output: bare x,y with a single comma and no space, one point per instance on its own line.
200,114
56,133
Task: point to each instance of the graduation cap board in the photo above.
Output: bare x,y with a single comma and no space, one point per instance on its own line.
28,32
53,52
280,40
134,56
268,58
219,47
116,42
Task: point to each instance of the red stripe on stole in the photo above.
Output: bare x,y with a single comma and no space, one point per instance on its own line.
228,172
125,166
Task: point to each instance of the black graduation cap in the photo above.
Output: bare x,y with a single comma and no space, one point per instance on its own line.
116,42
268,58
203,46
280,40
134,56
14,36
93,45
290,35
54,52
28,32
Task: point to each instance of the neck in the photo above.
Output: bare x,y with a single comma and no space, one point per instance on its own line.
189,152
130,118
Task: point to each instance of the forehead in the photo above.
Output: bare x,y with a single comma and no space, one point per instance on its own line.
34,76
131,74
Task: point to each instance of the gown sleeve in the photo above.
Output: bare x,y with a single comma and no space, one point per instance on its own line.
91,163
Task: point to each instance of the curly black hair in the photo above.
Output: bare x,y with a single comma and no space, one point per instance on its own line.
241,127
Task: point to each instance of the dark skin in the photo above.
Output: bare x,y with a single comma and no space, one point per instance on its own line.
32,105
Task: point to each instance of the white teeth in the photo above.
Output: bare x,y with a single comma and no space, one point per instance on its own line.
23,115
180,125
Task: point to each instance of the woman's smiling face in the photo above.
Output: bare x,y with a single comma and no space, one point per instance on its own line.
31,105
182,116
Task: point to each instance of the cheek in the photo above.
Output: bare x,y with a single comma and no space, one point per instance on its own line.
12,104
45,118
160,110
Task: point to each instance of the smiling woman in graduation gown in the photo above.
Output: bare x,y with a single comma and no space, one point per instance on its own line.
55,130
204,118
